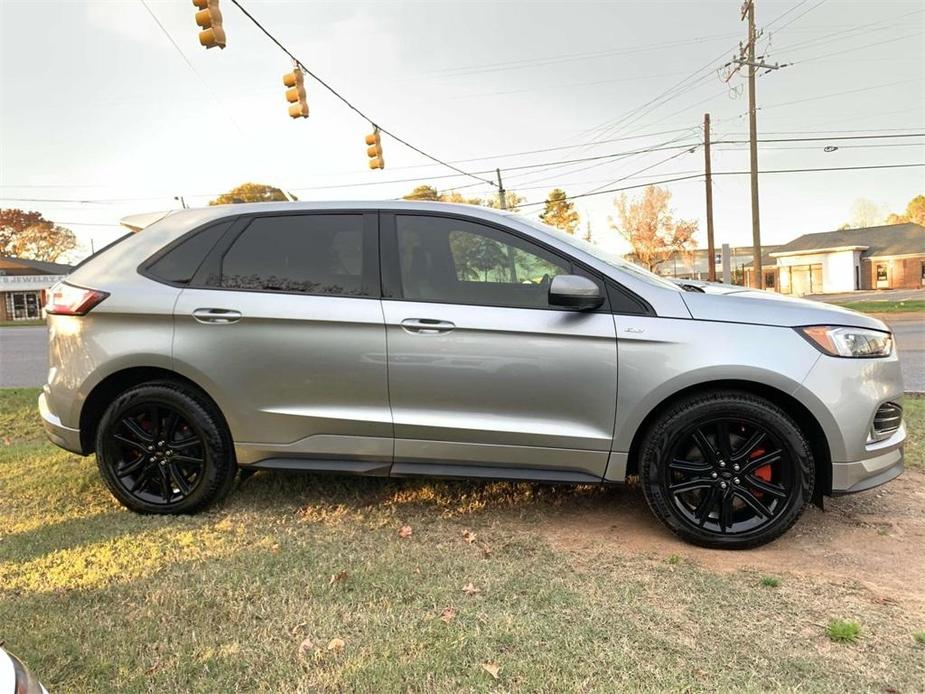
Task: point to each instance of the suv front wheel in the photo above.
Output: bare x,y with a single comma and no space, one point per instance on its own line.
162,448
726,470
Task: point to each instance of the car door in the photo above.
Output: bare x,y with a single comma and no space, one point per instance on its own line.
283,326
485,378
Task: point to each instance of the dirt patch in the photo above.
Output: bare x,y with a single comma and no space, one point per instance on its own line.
874,538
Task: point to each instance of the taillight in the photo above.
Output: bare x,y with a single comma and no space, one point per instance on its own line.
67,300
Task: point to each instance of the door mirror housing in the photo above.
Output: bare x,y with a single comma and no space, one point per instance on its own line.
575,291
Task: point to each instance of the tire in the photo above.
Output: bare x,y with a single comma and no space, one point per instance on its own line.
739,494
162,448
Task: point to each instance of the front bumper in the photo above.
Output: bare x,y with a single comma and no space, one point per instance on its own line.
884,464
58,434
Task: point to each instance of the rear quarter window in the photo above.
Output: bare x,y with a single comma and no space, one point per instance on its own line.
179,263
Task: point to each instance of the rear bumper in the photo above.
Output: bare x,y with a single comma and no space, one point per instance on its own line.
58,434
884,464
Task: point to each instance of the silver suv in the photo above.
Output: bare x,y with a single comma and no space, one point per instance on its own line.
398,339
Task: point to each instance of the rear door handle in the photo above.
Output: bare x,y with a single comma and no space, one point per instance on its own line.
216,316
427,326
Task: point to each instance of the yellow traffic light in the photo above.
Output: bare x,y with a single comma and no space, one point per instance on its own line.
374,150
295,95
209,18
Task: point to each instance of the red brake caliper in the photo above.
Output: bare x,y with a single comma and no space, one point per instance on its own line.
763,472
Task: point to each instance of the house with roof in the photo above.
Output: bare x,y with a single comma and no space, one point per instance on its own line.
883,257
23,284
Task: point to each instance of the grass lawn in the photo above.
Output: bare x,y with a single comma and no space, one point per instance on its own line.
305,584
910,306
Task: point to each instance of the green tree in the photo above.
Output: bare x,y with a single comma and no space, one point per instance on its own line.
250,192
915,212
29,235
560,212
511,199
650,228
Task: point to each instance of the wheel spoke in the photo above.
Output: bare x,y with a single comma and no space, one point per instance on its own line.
723,440
187,459
183,444
689,466
170,427
142,479
702,512
177,476
766,459
154,412
690,485
131,468
725,512
753,502
135,428
141,448
166,487
748,447
766,487
706,448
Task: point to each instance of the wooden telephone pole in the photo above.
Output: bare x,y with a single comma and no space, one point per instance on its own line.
747,57
708,177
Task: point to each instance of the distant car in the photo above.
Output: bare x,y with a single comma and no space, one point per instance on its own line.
15,677
413,338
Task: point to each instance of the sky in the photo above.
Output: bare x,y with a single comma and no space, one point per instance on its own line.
102,116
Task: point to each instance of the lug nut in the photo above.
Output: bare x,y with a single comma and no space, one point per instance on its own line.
150,448
153,459
722,485
735,481
722,463
735,467
714,475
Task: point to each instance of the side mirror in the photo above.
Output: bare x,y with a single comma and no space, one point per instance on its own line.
575,291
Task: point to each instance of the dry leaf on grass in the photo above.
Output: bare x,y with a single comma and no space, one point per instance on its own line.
486,550
305,646
468,536
339,577
492,669
6,441
336,644
470,589
448,614
404,531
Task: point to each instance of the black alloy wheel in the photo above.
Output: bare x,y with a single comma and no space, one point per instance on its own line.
726,469
156,455
163,447
729,476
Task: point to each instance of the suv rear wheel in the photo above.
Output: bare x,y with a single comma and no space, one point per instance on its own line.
162,448
726,470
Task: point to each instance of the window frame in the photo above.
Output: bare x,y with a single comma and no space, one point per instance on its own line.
390,271
145,267
208,276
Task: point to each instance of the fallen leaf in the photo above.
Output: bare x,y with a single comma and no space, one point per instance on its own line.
469,536
336,644
297,628
305,646
492,669
448,614
6,441
405,531
275,549
339,577
470,589
486,550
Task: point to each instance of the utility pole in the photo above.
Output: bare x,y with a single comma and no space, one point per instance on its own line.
502,198
747,57
179,198
711,246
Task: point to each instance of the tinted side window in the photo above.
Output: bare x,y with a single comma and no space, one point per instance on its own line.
310,254
181,262
451,260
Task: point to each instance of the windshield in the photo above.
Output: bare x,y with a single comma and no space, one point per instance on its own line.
611,259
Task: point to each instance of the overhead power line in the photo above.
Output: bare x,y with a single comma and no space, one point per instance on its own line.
348,103
732,173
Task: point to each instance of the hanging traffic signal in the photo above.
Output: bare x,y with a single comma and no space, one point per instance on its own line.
374,150
209,18
295,95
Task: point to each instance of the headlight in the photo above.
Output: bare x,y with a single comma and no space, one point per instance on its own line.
848,342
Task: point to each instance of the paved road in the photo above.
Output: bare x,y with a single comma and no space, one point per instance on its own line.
23,356
24,353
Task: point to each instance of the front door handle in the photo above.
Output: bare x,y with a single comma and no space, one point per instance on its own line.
216,316
427,326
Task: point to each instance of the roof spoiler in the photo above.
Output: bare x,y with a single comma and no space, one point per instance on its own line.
137,222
